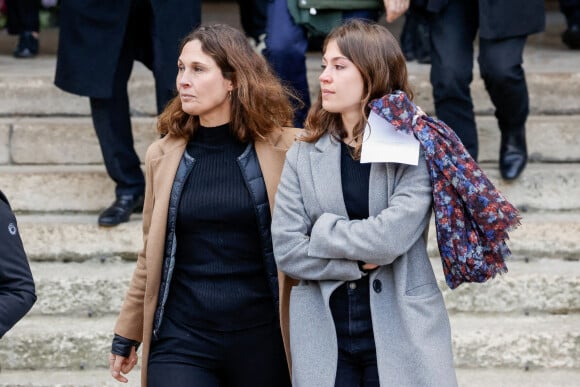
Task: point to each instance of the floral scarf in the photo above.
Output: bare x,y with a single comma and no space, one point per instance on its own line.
472,218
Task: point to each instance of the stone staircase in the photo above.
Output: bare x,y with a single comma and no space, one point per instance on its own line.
521,329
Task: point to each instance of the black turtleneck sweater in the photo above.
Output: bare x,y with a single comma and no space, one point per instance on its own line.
355,183
219,281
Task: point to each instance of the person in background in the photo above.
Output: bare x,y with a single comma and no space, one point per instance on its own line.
17,293
253,15
205,296
415,41
502,27
367,310
571,36
287,43
98,43
23,20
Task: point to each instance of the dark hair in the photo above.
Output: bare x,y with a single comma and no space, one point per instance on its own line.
259,102
376,54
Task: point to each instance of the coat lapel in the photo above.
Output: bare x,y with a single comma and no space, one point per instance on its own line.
163,170
378,188
271,154
325,166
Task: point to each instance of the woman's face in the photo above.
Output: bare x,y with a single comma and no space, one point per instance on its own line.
203,90
341,84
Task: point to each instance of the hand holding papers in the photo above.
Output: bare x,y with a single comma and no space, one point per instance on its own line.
382,143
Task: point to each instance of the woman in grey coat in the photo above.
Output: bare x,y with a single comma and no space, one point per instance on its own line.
367,310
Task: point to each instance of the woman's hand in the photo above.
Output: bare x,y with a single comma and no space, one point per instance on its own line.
369,266
395,8
119,365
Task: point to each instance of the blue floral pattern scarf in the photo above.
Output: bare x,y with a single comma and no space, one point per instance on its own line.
472,218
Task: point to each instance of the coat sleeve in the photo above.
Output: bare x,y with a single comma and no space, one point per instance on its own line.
379,239
290,233
17,292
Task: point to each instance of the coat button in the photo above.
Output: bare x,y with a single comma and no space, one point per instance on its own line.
352,285
377,286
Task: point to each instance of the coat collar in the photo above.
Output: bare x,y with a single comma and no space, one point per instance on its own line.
164,165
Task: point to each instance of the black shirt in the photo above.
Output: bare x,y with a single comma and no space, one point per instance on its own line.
355,184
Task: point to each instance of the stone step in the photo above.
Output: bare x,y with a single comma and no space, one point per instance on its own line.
78,238
44,343
26,88
466,377
531,287
66,140
516,342
87,188
552,89
96,287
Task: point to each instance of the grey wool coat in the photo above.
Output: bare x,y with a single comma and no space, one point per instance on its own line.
315,242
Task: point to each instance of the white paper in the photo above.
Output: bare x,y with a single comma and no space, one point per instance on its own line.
382,143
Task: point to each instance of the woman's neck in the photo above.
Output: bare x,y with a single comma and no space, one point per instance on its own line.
215,119
350,138
349,122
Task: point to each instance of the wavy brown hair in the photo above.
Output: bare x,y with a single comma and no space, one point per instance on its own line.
259,102
377,55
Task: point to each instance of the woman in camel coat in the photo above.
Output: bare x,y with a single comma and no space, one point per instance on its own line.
207,268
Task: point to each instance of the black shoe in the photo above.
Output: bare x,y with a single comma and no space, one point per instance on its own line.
27,46
513,155
571,37
120,211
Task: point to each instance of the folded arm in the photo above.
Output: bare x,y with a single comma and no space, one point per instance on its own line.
290,233
379,239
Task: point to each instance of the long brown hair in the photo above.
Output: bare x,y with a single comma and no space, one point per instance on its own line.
377,55
259,102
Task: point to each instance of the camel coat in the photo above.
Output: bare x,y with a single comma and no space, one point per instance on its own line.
135,320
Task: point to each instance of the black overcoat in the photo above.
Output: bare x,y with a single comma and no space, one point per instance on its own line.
500,19
17,292
92,33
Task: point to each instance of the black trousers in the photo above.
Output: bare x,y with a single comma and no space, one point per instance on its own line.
185,356
22,15
453,31
111,116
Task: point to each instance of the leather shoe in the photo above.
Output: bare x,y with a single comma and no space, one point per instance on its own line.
120,211
513,155
27,46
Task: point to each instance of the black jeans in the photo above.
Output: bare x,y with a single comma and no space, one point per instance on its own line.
453,31
186,356
357,358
